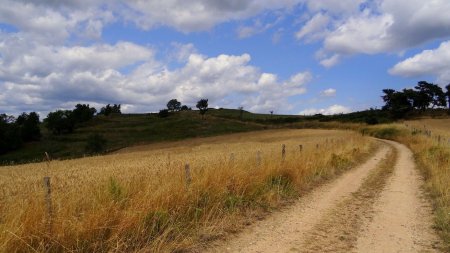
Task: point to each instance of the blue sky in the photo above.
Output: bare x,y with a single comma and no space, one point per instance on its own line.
289,56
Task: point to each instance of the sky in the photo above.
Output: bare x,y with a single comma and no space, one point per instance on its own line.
287,56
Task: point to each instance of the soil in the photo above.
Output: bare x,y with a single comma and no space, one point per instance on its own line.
368,209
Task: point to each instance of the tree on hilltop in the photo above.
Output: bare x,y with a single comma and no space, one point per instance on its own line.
202,105
448,94
83,113
60,121
108,109
173,105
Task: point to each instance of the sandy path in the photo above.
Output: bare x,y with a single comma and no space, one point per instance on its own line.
283,231
402,221
394,218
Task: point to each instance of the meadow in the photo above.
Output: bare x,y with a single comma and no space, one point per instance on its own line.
167,197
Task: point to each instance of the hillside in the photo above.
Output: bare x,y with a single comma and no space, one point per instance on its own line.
125,130
128,130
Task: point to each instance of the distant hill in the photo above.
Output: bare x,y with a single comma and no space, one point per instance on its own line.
124,130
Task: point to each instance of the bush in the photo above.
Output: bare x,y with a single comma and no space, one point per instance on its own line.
164,113
371,120
95,144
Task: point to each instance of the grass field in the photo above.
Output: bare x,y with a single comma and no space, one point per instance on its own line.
141,198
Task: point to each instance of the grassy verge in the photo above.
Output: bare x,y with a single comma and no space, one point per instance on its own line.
432,159
142,201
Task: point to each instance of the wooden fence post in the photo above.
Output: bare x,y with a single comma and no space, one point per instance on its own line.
187,170
258,158
300,147
48,203
283,152
232,158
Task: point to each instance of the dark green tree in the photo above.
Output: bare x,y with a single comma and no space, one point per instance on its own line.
29,126
185,108
447,93
60,121
10,134
163,113
202,105
173,105
430,94
83,113
397,103
108,109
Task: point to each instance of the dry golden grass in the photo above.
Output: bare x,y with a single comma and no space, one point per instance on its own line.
139,200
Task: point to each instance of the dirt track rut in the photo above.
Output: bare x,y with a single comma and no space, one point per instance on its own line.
346,215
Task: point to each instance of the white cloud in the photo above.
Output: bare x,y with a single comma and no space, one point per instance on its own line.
331,61
314,29
334,109
363,34
434,62
373,27
197,15
328,93
46,77
53,22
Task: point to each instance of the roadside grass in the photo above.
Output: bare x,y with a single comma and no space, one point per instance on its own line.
432,157
141,201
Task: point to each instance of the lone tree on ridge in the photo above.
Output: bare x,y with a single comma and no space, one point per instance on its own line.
202,105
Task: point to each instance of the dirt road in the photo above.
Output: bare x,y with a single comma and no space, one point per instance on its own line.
376,207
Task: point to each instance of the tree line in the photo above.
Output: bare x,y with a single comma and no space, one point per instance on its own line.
175,106
14,132
423,96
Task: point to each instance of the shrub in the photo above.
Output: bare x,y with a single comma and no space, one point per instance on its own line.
164,113
96,143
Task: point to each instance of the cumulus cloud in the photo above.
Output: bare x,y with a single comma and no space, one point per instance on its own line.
330,61
334,109
45,77
314,29
196,15
53,22
373,27
429,62
328,93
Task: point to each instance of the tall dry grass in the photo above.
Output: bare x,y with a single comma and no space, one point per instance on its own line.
140,201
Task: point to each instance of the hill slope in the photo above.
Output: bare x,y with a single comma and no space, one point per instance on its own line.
127,130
